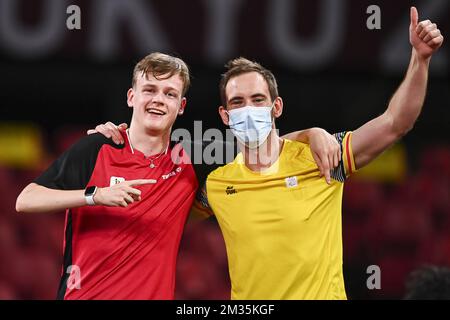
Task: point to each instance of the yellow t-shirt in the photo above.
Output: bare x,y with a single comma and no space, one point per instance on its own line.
282,228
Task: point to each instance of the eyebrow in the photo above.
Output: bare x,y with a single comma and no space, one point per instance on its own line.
149,85
253,96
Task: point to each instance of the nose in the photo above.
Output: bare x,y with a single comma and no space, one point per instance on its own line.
158,98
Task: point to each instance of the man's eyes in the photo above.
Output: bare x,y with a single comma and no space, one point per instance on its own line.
255,101
259,100
169,94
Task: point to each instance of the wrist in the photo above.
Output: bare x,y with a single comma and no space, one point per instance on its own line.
310,133
89,194
98,197
419,59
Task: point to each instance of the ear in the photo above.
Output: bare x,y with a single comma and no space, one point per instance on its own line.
182,106
277,107
224,115
130,97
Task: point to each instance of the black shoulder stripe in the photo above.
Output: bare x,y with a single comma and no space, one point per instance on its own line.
338,173
73,169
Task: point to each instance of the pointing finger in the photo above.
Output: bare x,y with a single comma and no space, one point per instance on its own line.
140,182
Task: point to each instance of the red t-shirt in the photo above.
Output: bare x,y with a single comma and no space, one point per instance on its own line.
115,252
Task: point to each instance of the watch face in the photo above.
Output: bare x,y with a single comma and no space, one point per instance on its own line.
90,190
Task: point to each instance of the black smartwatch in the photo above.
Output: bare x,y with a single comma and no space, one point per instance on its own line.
89,194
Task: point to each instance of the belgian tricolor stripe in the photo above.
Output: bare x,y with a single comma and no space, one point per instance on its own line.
348,154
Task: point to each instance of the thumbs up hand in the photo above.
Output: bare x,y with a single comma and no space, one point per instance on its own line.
424,36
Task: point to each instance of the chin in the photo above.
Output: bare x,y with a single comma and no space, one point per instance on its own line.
157,124
156,128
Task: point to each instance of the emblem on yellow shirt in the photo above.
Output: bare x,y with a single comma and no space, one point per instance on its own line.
230,190
291,182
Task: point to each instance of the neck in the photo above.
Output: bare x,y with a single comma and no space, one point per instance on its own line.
265,155
148,143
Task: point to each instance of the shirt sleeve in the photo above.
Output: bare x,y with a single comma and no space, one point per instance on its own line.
346,166
201,208
73,169
206,156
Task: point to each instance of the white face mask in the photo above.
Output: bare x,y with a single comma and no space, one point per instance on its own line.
251,125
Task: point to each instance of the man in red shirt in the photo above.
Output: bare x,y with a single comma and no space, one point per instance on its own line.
124,220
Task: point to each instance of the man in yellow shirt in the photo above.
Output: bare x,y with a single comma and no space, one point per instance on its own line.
281,223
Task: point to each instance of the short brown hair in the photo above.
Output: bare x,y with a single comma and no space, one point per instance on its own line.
242,65
160,64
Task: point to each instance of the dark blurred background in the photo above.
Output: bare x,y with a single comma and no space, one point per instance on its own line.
333,72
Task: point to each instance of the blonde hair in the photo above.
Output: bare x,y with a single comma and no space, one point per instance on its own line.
160,64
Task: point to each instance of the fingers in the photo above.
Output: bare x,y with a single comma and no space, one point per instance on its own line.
114,132
319,164
326,152
414,16
335,159
140,182
336,152
427,30
123,204
424,27
331,160
326,166
132,191
127,196
101,128
129,199
436,42
122,126
91,131
431,35
122,194
110,130
334,156
328,176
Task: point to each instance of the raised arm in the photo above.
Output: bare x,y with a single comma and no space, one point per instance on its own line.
404,108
